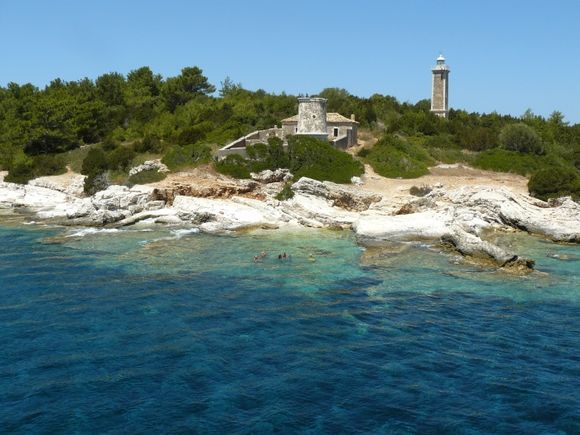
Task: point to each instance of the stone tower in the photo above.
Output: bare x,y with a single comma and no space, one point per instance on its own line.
312,117
440,88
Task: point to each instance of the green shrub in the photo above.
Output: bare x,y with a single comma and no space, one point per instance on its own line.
509,161
313,158
270,155
21,169
364,152
95,162
522,138
276,155
179,157
576,157
110,144
199,153
286,193
233,165
194,133
554,182
146,177
477,138
76,157
50,164
96,182
176,158
448,155
95,167
149,144
24,168
392,157
443,141
257,151
120,158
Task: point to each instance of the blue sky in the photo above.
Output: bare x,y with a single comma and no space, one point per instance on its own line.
504,55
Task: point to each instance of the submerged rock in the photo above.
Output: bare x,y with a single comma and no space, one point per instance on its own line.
472,246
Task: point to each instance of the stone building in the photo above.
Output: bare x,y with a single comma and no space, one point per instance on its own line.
312,120
440,88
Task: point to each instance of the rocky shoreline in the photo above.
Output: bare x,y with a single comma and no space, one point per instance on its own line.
456,218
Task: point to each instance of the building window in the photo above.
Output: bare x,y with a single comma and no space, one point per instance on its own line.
335,132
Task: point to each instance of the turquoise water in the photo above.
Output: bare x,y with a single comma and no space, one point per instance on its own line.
170,331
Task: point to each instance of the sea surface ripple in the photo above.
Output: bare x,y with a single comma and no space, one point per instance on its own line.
167,332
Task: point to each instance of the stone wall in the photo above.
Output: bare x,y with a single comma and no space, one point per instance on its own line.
239,145
341,142
344,129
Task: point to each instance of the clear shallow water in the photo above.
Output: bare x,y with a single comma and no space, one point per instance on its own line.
172,331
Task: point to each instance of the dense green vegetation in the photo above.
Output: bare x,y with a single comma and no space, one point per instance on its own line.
547,183
146,177
305,157
183,120
309,157
394,157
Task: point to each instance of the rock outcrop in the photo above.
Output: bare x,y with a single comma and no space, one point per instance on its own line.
504,207
216,190
149,165
340,196
269,176
71,185
456,218
472,246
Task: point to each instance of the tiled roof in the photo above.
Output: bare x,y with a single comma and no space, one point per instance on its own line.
330,117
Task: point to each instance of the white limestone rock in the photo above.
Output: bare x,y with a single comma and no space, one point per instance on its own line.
427,225
504,207
472,246
269,176
69,184
215,215
315,211
149,165
341,196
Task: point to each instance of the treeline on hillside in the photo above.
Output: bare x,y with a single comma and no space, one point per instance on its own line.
183,119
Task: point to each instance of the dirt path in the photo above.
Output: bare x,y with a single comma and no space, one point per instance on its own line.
395,190
449,176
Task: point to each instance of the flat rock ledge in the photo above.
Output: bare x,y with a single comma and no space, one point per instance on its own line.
474,248
341,196
457,219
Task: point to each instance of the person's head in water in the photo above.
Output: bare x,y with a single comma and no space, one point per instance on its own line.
279,256
284,256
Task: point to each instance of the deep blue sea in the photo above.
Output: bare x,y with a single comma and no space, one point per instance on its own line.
170,331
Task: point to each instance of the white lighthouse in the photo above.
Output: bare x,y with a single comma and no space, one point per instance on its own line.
440,88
